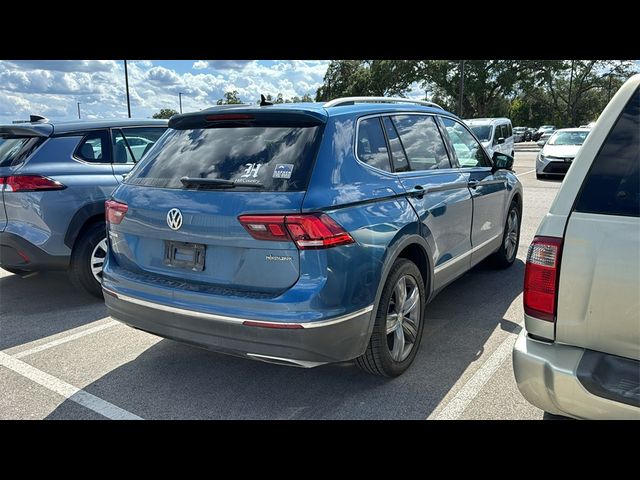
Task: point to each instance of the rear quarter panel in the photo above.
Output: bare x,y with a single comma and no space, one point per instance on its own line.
43,217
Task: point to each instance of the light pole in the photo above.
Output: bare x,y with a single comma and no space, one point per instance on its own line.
78,109
126,82
461,88
180,99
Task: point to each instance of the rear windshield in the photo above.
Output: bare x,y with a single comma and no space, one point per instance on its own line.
483,132
568,138
14,151
272,158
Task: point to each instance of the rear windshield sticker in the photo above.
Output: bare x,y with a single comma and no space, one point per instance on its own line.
283,170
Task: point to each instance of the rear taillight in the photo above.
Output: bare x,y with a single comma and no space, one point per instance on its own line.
115,211
30,183
541,277
310,231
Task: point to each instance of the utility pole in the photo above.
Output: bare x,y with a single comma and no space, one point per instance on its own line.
78,109
461,88
180,99
569,99
126,82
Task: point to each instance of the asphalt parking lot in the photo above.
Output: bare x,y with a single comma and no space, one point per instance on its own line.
62,357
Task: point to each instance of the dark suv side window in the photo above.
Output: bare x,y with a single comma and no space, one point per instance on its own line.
94,147
612,185
469,152
422,142
372,147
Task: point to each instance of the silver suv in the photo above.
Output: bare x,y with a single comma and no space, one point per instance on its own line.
580,353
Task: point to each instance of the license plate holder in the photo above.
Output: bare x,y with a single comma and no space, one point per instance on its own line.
185,255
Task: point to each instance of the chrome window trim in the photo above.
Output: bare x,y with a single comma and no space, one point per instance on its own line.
410,173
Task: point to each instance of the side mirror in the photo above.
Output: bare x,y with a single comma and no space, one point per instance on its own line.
502,161
500,140
541,143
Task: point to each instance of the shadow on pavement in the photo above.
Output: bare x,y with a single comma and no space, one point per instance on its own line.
171,380
41,305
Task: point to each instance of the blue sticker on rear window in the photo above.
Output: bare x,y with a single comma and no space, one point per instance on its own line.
283,170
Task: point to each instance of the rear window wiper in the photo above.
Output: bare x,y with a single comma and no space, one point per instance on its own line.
215,183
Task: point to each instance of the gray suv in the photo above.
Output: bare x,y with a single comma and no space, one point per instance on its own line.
54,180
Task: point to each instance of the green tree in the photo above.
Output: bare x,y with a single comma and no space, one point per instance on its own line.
229,98
577,88
487,84
346,78
165,113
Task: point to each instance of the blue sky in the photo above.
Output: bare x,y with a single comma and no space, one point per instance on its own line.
53,87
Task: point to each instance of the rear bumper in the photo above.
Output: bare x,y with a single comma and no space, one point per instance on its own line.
547,377
16,252
304,344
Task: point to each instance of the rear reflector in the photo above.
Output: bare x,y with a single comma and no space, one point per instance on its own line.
309,231
115,211
250,323
30,183
541,278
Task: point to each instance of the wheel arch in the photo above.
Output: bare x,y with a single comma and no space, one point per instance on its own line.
86,215
413,247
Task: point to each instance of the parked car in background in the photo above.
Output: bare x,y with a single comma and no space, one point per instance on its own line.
54,180
495,134
579,354
528,134
542,141
541,131
302,234
557,153
518,134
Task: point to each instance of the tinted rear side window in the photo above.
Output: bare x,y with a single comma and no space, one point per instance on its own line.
14,151
372,147
612,186
277,158
421,141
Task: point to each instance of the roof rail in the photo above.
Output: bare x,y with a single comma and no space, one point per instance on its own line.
352,100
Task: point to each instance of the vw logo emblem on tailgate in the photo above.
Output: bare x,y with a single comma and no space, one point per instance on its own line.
174,219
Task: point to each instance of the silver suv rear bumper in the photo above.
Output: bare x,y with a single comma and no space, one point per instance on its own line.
546,374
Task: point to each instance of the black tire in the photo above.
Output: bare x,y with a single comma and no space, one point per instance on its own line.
377,359
80,265
504,258
16,271
540,176
513,154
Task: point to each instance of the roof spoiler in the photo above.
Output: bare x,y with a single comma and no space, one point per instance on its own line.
25,131
247,116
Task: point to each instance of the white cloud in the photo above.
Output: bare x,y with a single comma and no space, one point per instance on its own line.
220,64
52,88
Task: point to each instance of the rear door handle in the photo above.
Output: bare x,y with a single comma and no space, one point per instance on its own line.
418,191
472,183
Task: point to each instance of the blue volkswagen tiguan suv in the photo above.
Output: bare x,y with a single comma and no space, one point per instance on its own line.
54,180
303,234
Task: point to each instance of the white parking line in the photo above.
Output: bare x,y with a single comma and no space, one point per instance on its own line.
68,338
469,390
526,173
67,390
